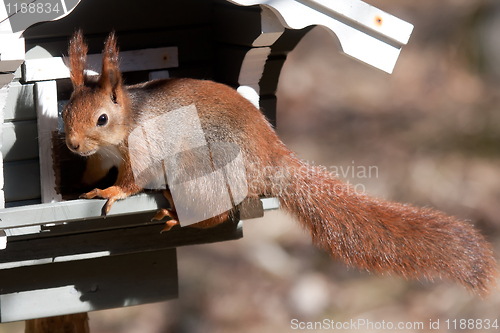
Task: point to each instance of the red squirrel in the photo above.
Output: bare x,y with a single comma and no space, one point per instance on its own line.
363,231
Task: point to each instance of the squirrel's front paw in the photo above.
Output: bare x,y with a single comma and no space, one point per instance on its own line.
112,193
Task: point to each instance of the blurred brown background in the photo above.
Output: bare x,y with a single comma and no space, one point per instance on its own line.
432,129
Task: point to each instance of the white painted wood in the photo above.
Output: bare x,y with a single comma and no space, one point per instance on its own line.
22,231
89,285
42,303
272,29
2,183
5,78
82,256
4,94
369,17
137,60
252,67
47,69
361,31
20,102
11,49
81,209
11,55
25,263
270,203
19,140
3,240
22,180
250,94
75,210
43,261
5,27
46,107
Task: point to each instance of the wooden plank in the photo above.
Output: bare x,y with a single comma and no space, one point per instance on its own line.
268,107
5,78
199,47
146,237
114,15
4,91
270,204
116,222
20,102
3,240
23,231
46,69
242,66
251,208
228,60
11,52
202,70
236,25
22,180
2,194
288,40
371,44
75,210
10,65
368,17
20,140
155,75
137,60
271,74
47,116
88,285
271,27
22,18
22,203
253,26
252,67
5,27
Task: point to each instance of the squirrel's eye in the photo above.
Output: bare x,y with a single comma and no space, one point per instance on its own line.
103,120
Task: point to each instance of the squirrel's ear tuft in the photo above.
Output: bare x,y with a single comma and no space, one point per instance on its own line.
77,57
110,78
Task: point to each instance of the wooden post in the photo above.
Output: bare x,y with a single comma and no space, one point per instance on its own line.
46,107
74,323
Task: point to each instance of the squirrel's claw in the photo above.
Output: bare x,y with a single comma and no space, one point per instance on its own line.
112,193
174,220
168,225
90,195
165,212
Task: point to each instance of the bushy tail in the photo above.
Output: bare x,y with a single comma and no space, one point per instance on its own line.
383,236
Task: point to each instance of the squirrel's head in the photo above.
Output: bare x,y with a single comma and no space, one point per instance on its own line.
96,115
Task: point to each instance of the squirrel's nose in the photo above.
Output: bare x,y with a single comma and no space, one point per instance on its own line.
72,142
73,146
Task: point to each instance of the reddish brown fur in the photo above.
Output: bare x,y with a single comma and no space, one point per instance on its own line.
73,323
110,77
363,231
78,56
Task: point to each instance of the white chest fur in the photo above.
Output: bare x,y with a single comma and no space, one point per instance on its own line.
110,156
